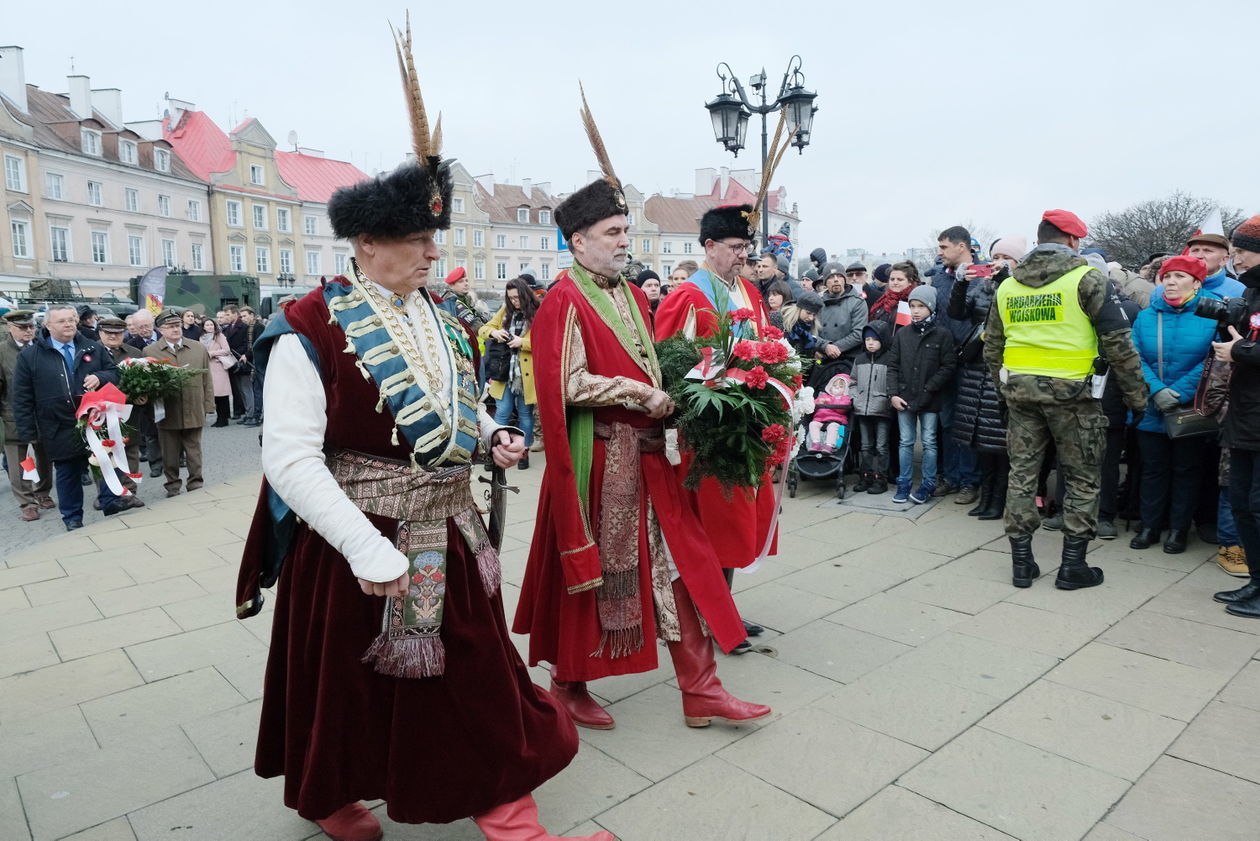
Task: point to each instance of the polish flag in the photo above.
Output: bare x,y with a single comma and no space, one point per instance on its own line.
903,314
1211,224
29,471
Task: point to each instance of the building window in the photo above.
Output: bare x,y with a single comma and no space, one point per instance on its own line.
14,173
479,269
168,252
59,240
439,237
262,259
479,238
667,269
236,258
667,247
131,199
544,243
500,271
284,220
645,246
339,260
524,242
500,240
127,152
457,205
164,205
440,269
522,215
546,271
54,184
260,217
629,218
286,261
687,247
194,210
256,175
198,262
100,247
312,260
310,224
233,213
21,232
461,236
91,142
162,160
94,193
135,250
544,217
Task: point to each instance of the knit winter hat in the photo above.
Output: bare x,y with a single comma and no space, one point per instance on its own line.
925,295
881,272
1011,245
1247,235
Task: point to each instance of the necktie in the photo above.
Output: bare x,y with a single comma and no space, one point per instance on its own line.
68,352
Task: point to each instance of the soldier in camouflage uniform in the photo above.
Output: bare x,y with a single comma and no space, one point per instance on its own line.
1047,325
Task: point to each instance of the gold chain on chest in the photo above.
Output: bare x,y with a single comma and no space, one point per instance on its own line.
393,310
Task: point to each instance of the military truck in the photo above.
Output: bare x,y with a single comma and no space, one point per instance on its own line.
206,294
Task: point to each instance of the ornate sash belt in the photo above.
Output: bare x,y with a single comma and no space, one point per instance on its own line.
410,642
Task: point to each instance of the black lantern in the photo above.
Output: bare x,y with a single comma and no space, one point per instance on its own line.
730,121
799,104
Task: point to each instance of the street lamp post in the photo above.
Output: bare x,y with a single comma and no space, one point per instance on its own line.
731,109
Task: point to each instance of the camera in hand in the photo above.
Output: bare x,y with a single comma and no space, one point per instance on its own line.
1232,312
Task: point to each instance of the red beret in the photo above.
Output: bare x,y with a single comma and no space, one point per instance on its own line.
457,275
1193,266
1066,221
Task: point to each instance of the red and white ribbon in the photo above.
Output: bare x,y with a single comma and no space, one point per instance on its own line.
105,409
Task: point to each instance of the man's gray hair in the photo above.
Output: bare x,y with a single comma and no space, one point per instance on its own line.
52,308
142,315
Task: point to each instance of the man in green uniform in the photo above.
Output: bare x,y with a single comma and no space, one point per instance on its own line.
1049,324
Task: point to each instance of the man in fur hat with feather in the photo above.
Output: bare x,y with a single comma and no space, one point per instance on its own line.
391,674
618,557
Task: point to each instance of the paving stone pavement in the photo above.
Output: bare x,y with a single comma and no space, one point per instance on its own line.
917,695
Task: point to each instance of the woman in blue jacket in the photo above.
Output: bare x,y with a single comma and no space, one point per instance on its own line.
1173,343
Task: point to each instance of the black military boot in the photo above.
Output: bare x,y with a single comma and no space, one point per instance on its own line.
997,500
1023,568
985,495
864,482
1074,573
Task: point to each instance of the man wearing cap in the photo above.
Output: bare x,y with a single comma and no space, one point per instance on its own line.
87,322
1213,250
856,275
52,374
844,313
179,431
111,331
1049,323
32,497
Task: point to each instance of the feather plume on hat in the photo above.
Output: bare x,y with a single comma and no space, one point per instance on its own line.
601,198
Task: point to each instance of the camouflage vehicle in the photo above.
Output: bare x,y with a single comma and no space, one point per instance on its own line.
206,294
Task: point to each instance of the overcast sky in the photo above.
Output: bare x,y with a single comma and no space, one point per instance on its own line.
930,114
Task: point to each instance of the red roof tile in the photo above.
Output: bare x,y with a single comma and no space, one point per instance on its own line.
316,178
201,144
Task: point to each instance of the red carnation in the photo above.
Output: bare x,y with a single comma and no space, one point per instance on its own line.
797,381
109,443
757,377
772,352
743,314
773,433
745,350
773,333
775,459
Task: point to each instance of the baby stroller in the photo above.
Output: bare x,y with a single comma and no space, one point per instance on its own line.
818,463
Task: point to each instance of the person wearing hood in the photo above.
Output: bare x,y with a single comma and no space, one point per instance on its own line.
1048,324
979,422
1241,427
799,322
872,407
843,314
818,259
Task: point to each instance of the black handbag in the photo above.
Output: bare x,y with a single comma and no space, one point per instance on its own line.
498,360
1184,422
973,346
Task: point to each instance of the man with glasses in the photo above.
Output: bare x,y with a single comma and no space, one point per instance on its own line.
32,497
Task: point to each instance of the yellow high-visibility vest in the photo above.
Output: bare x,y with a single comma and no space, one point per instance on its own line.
1047,332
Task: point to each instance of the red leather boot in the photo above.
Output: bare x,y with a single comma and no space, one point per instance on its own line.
352,822
704,699
518,821
583,709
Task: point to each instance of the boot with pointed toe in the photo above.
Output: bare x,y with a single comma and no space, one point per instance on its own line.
1246,593
1024,569
582,708
1250,608
997,499
1074,573
704,698
518,821
352,822
984,499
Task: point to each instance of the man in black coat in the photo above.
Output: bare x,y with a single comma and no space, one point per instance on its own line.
52,374
237,336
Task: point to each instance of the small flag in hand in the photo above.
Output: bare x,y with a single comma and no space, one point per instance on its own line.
903,314
29,471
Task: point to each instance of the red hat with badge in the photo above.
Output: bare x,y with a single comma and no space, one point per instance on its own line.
1066,221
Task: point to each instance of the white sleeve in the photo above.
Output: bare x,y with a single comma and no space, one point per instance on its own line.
293,461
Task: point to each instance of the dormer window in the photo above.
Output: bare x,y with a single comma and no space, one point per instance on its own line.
256,176
162,160
128,152
522,215
544,217
91,141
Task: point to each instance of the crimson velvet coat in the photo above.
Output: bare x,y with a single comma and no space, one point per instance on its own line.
563,626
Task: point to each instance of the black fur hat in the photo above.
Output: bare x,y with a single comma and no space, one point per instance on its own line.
728,221
597,200
408,200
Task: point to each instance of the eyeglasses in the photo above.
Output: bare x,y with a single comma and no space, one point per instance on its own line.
738,247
